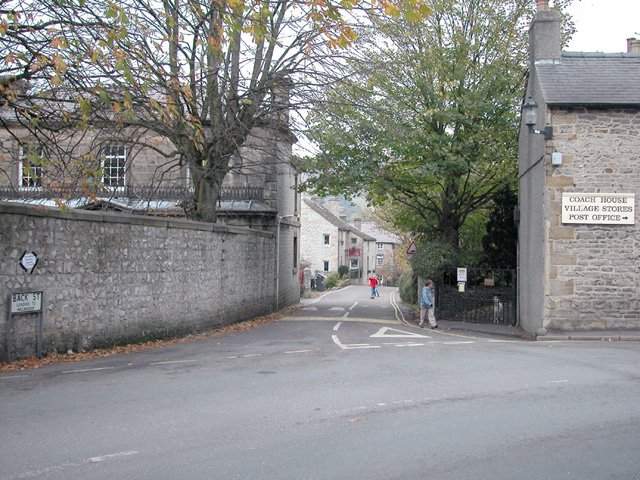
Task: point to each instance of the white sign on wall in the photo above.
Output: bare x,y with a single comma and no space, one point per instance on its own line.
601,208
26,302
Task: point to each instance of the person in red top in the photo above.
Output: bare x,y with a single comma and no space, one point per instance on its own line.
373,283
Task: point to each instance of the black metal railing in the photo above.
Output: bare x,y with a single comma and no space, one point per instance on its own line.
488,296
143,192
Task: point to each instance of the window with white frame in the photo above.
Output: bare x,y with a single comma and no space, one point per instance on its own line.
380,246
355,264
325,266
114,166
30,173
354,240
380,260
327,239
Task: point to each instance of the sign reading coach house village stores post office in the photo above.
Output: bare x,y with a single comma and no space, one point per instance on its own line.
598,208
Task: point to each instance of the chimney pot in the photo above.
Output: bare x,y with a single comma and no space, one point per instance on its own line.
633,45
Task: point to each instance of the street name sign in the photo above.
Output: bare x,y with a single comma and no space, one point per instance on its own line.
599,208
28,302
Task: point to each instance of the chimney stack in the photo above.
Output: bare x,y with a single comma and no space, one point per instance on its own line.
334,206
545,42
357,222
633,45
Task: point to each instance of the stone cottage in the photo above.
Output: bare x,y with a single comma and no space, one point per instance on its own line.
387,245
579,175
328,242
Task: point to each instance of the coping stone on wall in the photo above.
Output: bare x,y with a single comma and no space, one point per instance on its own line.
125,218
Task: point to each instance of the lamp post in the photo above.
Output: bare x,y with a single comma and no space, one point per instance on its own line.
530,116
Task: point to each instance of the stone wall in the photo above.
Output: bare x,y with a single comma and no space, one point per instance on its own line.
593,276
111,278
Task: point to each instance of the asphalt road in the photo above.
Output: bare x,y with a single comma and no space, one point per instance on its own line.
342,389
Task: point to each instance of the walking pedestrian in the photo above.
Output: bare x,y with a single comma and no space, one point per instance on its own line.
426,305
373,283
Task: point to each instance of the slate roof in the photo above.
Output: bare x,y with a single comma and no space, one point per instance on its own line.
381,235
580,78
341,224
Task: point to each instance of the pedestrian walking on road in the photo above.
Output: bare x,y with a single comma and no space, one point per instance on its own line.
373,283
426,305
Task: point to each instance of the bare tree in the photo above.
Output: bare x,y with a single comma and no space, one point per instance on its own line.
187,78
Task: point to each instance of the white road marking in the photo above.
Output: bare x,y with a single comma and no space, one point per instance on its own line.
88,370
557,381
175,361
382,333
337,326
247,355
45,471
350,308
310,308
113,455
343,346
340,309
13,376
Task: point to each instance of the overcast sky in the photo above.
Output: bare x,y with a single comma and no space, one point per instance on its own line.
604,25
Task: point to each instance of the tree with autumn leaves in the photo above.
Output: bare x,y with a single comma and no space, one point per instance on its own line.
188,79
426,117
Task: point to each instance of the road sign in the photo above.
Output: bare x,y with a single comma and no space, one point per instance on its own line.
462,274
412,249
28,261
28,302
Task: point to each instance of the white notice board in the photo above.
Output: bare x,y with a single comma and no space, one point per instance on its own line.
602,208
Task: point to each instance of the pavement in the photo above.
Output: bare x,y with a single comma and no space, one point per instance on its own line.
514,332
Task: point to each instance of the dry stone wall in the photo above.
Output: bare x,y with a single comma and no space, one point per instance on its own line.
112,278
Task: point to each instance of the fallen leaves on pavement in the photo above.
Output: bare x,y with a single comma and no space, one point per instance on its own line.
69,357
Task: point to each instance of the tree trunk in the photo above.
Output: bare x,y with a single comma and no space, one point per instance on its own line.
207,194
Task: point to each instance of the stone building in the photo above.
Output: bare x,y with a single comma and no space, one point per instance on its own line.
387,245
327,242
579,174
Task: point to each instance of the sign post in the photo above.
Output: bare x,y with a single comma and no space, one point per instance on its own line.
26,302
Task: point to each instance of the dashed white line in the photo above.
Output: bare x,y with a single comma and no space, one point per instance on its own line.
172,362
14,376
337,326
88,370
112,455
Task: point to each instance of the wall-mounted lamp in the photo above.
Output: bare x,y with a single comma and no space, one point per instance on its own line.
530,114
